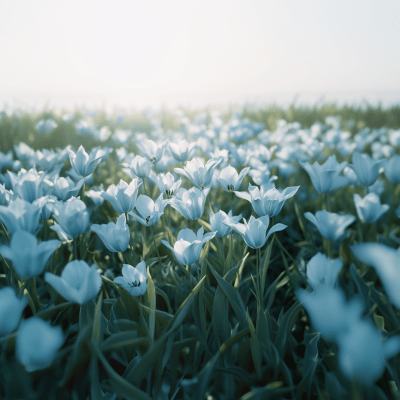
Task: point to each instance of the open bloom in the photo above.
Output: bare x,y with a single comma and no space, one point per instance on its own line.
366,169
321,270
115,236
268,202
82,164
254,232
183,150
369,209
140,166
166,183
63,188
28,185
123,196
20,214
29,258
325,177
220,221
149,211
10,310
330,225
190,203
72,218
78,282
198,173
133,279
37,343
188,246
6,196
230,180
152,150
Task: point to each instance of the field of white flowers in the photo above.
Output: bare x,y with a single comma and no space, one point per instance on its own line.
198,256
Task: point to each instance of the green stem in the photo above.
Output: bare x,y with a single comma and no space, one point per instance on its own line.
155,246
75,246
328,202
231,201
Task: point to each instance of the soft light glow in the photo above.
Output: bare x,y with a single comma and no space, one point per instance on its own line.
141,53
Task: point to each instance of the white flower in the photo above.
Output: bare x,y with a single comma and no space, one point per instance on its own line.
366,169
123,196
150,211
183,150
82,164
229,178
78,282
321,270
190,203
37,343
134,279
369,209
11,308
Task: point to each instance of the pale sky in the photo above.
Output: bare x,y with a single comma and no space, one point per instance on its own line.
142,53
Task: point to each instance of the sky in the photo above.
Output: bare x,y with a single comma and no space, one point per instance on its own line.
151,53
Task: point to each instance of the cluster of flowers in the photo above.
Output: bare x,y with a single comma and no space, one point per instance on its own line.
28,197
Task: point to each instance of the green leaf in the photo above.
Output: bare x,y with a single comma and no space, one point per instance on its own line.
286,326
96,333
121,339
120,385
95,391
255,348
234,298
151,293
220,315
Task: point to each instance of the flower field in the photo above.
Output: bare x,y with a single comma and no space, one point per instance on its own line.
200,255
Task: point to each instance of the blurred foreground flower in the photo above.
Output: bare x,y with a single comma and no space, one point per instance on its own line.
29,258
330,225
78,282
392,169
11,308
254,232
385,260
115,236
321,270
37,343
187,247
133,279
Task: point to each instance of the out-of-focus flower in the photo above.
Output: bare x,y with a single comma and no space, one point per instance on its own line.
330,313
229,178
190,203
78,282
10,310
121,136
369,209
385,260
6,159
72,218
150,211
197,173
20,214
166,183
133,279
220,221
123,196
362,354
267,203
115,236
254,232
46,125
187,247
81,162
325,177
321,270
239,155
24,152
153,151
366,169
140,166
262,175
392,169
28,185
29,258
95,194
63,188
183,150
37,343
330,225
